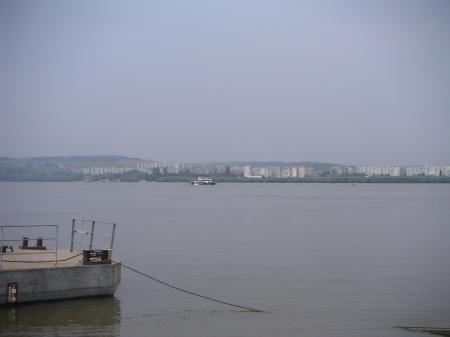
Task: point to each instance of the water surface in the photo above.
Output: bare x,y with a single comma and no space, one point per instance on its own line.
324,259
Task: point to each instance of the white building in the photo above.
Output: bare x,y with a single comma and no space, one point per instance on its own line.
379,170
266,171
247,171
428,170
294,171
297,171
275,171
285,172
95,171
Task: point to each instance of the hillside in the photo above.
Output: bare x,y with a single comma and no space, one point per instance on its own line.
75,162
57,168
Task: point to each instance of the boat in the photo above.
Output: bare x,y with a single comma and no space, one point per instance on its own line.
203,181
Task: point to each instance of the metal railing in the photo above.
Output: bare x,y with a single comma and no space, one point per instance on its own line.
91,233
4,240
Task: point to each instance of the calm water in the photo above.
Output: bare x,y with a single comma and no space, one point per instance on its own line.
323,259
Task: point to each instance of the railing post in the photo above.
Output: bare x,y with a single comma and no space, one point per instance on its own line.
92,235
56,248
112,237
1,253
72,237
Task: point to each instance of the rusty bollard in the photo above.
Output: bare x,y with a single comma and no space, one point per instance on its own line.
25,242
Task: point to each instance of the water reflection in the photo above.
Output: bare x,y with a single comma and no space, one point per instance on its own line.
99,316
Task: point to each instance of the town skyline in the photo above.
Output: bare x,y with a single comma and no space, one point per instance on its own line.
77,167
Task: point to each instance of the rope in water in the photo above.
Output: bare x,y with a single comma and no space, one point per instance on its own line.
189,292
152,278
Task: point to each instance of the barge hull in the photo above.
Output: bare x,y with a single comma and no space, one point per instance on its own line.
42,284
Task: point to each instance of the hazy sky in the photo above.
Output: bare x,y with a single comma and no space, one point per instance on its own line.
342,81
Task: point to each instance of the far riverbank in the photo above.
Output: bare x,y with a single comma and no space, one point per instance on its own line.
135,176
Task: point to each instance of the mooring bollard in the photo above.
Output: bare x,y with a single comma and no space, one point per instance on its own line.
106,256
86,257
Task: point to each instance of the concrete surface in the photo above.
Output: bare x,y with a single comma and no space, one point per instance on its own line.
38,281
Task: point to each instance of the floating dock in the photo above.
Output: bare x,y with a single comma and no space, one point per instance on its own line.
38,273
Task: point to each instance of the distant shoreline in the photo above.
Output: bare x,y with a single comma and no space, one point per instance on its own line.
126,169
242,180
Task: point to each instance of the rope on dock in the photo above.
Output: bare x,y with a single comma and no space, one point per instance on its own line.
187,291
40,261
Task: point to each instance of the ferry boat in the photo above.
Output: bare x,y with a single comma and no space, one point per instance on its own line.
203,181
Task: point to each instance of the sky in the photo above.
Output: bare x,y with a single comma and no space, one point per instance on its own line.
340,81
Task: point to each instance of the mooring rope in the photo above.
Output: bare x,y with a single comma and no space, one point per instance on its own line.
187,291
40,261
152,278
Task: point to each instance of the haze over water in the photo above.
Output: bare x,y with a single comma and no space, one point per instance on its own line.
324,259
343,81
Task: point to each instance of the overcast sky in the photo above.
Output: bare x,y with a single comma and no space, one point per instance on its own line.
341,81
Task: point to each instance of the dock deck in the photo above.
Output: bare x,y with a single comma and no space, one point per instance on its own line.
31,259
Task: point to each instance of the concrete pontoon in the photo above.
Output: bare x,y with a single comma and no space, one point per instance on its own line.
39,273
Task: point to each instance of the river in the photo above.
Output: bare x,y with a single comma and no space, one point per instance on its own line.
329,260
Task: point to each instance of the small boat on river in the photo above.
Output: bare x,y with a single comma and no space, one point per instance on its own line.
203,181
